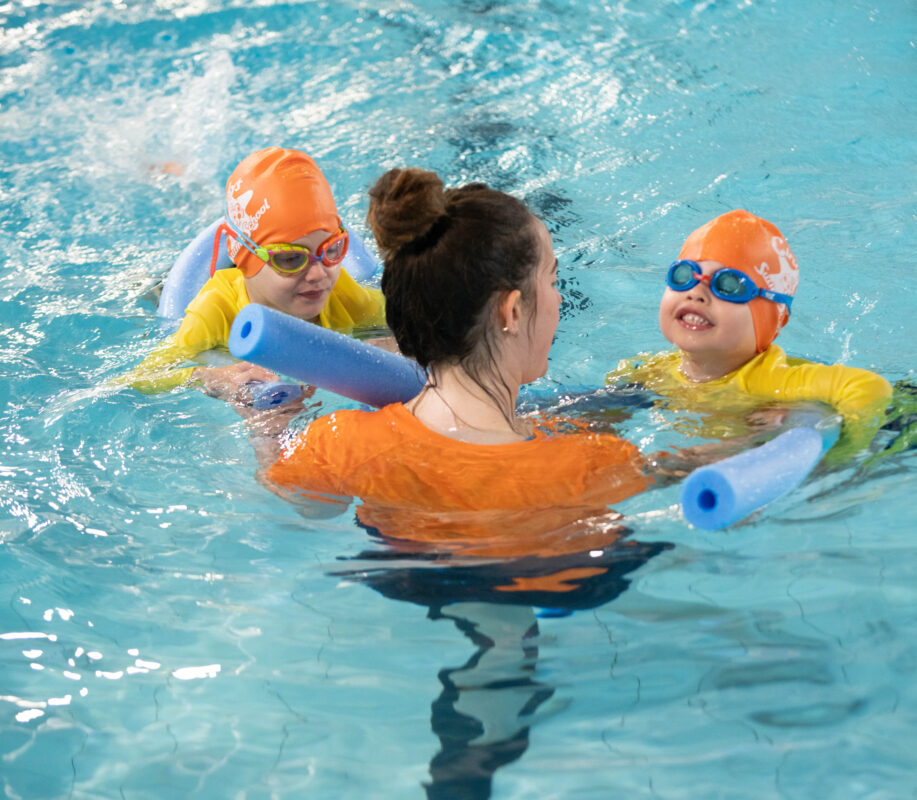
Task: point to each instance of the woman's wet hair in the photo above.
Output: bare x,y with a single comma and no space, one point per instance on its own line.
447,254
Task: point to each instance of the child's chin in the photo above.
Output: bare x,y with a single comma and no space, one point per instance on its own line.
684,342
305,309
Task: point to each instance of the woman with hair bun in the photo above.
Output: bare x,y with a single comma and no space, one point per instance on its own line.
470,285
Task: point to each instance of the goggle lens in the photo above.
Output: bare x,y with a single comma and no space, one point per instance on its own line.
334,252
289,262
729,283
681,275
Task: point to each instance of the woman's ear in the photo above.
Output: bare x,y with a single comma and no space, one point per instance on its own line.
509,311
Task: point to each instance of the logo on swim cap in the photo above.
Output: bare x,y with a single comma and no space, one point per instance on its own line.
235,208
785,277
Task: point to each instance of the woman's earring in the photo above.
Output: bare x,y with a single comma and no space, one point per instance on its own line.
505,329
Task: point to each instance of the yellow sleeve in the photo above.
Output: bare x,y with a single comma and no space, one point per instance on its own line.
625,372
631,369
352,306
159,371
206,325
858,395
656,372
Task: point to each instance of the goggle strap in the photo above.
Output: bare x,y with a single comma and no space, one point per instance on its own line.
776,297
217,238
237,233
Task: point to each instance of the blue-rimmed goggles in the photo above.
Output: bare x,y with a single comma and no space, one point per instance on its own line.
726,283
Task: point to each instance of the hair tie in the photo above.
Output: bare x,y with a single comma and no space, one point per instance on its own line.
428,239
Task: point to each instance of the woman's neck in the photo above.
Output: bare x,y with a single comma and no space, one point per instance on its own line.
455,405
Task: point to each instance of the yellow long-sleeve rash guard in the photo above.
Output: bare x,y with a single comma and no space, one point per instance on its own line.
860,396
208,321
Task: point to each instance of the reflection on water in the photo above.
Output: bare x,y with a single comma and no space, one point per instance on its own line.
482,716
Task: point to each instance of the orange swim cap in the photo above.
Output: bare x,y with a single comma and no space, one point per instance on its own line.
276,195
753,245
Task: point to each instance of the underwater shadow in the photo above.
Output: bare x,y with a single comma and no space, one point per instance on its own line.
487,705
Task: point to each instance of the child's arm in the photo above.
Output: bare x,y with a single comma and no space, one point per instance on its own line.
206,325
167,366
653,371
161,370
860,396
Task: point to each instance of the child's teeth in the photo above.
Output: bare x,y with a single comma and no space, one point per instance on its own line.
695,319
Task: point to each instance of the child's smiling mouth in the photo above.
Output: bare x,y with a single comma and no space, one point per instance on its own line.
693,320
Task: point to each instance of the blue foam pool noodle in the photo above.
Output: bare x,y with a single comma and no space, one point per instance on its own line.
190,272
359,262
322,357
717,495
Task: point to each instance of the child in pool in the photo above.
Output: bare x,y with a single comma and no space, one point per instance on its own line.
729,294
280,214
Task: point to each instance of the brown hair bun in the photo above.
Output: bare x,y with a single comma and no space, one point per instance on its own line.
404,205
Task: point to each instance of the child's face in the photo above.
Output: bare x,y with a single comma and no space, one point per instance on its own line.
302,295
705,327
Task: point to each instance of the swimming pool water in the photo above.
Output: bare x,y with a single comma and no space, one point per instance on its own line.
169,628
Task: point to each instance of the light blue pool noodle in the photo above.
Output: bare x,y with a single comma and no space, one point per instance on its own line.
192,268
321,357
717,495
358,262
190,272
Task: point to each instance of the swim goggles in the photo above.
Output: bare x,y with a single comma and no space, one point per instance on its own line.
726,283
286,259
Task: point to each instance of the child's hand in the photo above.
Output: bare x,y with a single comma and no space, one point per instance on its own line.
230,382
669,467
384,343
767,418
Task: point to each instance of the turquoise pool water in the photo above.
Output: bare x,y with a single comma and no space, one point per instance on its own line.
169,628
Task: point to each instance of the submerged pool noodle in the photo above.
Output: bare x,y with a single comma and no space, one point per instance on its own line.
717,495
321,357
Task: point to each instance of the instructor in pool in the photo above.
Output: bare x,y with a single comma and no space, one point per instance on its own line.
470,286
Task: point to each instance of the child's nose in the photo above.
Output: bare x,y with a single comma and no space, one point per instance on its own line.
701,290
313,272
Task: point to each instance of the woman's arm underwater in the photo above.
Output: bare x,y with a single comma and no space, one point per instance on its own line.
270,433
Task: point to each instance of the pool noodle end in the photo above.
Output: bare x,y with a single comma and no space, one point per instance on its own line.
718,495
